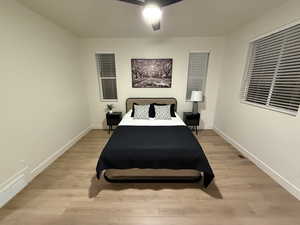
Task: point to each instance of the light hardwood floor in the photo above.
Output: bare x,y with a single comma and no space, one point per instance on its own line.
67,193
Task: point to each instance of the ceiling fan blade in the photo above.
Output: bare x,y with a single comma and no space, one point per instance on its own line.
163,3
156,26
136,2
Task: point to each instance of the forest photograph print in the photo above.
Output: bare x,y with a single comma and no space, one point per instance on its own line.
151,73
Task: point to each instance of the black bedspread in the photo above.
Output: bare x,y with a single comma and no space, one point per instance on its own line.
154,147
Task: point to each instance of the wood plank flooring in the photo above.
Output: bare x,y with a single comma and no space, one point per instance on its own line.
67,193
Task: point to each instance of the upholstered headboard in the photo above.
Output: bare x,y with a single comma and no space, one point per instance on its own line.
143,101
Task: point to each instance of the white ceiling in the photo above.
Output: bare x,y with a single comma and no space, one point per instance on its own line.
111,18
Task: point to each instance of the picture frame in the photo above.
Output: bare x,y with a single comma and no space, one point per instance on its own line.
152,73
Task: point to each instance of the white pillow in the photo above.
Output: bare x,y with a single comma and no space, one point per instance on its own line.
141,112
163,112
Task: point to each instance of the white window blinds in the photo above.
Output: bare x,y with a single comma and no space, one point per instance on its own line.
106,68
197,73
273,76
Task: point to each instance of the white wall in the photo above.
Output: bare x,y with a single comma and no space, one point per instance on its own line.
43,103
176,48
270,138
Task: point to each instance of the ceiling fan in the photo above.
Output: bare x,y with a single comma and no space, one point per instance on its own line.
152,9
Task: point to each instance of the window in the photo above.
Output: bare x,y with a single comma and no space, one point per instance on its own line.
197,73
272,78
106,68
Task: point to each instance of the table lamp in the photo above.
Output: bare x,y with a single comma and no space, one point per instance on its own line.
196,97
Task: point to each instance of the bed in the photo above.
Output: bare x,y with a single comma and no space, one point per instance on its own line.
154,145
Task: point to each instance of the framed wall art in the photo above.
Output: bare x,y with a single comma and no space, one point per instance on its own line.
151,73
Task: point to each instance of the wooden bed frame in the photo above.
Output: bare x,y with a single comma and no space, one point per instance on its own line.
151,175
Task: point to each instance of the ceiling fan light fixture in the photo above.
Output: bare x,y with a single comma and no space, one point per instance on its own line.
152,13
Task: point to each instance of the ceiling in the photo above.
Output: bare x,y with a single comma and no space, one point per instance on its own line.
112,18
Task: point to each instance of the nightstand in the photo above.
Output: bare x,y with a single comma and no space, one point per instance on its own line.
192,119
113,119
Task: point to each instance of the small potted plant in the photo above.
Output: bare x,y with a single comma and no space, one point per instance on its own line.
109,108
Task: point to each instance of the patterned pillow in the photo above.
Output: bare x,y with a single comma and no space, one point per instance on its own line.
141,112
162,112
151,110
172,109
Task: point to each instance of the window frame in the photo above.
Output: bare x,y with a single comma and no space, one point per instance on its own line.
243,90
99,78
187,74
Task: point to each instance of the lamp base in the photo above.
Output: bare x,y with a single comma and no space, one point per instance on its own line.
195,107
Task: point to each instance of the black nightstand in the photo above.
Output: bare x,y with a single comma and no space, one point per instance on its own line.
192,119
113,119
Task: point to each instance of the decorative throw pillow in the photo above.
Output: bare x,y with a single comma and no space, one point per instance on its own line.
141,112
162,112
172,109
132,113
151,110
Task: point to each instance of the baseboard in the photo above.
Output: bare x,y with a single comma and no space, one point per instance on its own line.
21,179
44,164
291,188
12,186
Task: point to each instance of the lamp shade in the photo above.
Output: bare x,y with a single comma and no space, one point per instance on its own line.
197,96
